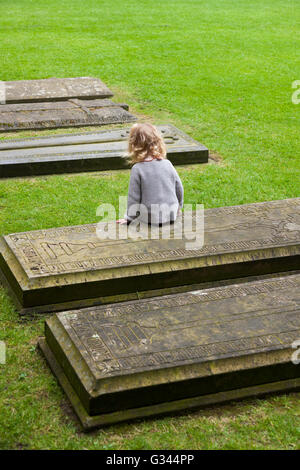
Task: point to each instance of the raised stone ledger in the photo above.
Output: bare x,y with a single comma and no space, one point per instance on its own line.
55,89
104,150
62,268
71,113
141,358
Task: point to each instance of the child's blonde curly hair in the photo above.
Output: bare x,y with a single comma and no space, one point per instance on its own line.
145,141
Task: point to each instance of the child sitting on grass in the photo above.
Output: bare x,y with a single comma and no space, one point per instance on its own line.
155,193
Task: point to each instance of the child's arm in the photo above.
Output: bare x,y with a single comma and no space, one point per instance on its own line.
134,195
179,190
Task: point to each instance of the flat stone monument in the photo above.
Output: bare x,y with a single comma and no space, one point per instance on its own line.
71,113
136,359
55,89
103,150
66,267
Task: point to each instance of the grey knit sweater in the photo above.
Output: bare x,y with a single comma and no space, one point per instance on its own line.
155,192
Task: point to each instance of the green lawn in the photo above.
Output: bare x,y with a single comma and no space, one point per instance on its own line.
220,70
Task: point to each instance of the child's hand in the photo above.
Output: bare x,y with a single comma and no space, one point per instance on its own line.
121,221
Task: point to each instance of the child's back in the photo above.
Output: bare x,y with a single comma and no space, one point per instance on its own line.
155,190
156,185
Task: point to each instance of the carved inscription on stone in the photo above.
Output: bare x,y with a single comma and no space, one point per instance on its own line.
90,145
183,328
228,230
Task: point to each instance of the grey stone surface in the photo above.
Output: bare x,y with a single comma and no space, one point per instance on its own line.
53,89
71,113
175,348
103,150
46,269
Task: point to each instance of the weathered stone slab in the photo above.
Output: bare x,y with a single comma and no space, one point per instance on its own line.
55,89
103,150
65,267
135,359
71,113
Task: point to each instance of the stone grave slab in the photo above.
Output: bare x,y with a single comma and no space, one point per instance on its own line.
71,113
55,89
61,268
141,358
101,150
